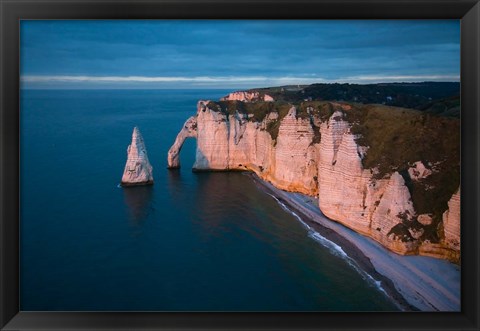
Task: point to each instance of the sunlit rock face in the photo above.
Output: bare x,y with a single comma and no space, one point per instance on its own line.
342,182
348,193
394,207
247,96
213,132
320,156
232,142
419,171
451,222
188,130
295,157
138,170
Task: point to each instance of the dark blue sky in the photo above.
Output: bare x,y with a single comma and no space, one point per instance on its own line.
235,54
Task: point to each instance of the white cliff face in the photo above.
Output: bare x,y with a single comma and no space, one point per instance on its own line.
243,144
330,167
395,207
230,142
138,170
246,96
451,222
349,195
213,132
188,130
342,184
295,158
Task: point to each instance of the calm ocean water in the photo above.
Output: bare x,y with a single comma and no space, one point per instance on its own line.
191,242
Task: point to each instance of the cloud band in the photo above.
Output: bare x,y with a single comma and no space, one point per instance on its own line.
208,80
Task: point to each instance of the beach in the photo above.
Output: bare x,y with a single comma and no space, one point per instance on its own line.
414,283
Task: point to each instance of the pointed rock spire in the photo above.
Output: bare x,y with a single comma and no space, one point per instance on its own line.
138,170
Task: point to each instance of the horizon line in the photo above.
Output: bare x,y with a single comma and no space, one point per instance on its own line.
196,82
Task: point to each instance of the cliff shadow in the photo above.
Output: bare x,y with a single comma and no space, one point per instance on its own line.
139,202
201,162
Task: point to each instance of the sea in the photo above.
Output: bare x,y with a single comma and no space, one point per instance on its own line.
191,242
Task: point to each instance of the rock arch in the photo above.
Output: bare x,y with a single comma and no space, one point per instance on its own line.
188,130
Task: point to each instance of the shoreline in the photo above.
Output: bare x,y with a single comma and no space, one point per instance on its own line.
409,281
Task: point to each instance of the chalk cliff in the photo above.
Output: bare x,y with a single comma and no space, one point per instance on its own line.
138,170
371,185
247,96
451,219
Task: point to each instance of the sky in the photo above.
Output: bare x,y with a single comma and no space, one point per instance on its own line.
235,53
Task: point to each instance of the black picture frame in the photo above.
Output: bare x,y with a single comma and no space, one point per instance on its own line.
12,11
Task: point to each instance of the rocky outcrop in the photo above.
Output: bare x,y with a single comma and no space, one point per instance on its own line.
317,153
138,170
419,171
451,222
425,219
189,130
247,96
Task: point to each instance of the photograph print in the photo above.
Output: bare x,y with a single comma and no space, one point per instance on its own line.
240,165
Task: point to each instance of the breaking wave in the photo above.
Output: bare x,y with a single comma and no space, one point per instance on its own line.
333,248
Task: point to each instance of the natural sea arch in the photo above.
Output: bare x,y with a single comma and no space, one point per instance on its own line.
189,130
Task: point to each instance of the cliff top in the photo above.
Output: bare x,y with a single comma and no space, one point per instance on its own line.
434,97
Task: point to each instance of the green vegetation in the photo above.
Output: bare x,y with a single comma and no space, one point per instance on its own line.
273,127
228,107
449,107
408,95
259,110
319,109
288,93
399,137
432,232
401,232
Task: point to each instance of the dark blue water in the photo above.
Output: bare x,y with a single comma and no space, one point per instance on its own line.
191,242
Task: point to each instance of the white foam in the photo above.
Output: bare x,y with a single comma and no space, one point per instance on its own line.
284,207
333,248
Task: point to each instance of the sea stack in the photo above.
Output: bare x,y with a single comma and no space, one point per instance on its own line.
138,170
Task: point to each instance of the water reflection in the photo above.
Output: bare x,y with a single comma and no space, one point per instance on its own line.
139,202
222,208
175,184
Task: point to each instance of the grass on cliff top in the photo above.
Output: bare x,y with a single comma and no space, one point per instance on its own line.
398,137
259,110
289,93
449,107
319,109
